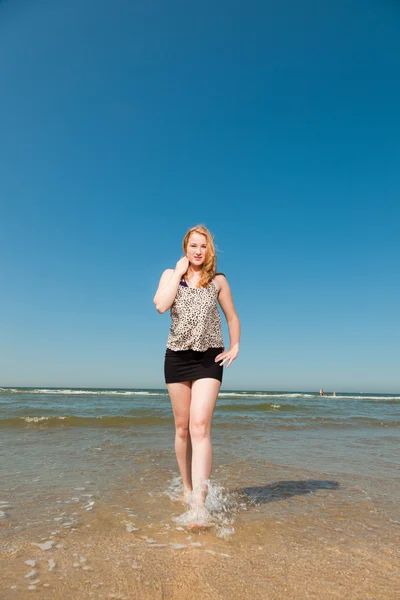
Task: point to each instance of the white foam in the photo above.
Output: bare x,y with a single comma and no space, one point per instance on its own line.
196,516
32,573
244,394
225,533
356,397
51,564
174,490
45,546
149,540
266,395
78,392
219,511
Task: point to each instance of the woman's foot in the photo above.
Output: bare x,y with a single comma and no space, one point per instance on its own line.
187,496
199,495
199,519
198,527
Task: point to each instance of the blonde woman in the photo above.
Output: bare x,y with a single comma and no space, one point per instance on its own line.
195,354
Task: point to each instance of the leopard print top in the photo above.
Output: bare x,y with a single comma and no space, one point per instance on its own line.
195,320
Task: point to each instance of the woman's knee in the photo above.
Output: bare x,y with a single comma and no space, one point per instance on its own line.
182,432
199,430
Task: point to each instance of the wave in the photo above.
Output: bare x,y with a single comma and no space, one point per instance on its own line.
351,397
344,396
74,421
264,406
150,419
331,424
224,394
78,392
266,395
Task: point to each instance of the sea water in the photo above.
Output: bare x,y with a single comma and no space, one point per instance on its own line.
290,464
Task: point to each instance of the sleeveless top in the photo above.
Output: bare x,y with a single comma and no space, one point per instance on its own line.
195,319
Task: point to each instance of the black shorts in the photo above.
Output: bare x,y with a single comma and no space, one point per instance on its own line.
188,365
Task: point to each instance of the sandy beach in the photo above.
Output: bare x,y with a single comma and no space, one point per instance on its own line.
267,560
304,498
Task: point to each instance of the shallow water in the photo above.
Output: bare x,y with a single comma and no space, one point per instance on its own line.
314,478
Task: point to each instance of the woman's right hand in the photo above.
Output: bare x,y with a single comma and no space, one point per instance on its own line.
182,266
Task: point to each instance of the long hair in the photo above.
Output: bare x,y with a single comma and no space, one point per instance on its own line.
209,266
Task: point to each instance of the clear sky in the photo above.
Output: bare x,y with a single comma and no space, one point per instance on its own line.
274,123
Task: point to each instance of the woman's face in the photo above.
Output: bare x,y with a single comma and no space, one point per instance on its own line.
196,249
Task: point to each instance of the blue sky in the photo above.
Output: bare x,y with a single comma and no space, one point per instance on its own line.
276,124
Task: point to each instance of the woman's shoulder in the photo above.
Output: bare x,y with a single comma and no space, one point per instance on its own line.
220,280
166,275
219,276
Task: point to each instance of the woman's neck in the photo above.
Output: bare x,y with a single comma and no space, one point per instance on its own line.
194,272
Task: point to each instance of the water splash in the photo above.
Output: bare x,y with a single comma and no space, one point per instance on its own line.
218,512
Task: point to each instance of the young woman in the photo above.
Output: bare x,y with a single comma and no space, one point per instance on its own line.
195,353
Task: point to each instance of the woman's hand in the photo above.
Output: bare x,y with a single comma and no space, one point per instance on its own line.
182,266
228,356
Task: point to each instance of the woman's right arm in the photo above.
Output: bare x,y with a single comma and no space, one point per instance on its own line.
168,286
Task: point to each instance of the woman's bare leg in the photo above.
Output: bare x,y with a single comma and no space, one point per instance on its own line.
203,398
180,394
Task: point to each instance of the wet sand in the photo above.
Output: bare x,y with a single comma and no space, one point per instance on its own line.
110,564
292,538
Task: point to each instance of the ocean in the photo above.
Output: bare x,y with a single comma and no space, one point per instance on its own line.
304,493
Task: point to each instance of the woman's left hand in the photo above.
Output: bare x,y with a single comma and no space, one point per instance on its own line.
228,356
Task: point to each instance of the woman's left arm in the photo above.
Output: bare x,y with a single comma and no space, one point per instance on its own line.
226,302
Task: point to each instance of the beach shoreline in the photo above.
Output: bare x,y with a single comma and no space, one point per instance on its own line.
110,563
304,496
